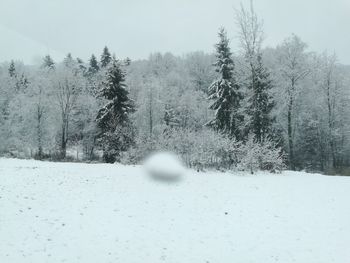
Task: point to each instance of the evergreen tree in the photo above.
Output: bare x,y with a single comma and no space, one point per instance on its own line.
48,62
81,65
94,79
106,57
68,61
225,91
170,118
12,69
259,103
116,133
311,150
93,65
22,83
127,61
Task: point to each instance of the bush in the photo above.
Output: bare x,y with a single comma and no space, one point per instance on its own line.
207,149
198,149
260,156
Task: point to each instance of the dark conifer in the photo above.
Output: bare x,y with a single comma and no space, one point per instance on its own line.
259,103
224,92
48,62
106,57
116,132
93,65
12,69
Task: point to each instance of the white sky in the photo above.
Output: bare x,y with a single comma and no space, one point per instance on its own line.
135,28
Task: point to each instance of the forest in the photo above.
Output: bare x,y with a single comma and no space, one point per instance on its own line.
251,108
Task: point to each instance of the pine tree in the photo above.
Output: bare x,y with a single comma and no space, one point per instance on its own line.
225,91
81,65
170,118
116,132
68,61
12,69
22,83
48,62
93,65
259,103
106,57
127,61
311,151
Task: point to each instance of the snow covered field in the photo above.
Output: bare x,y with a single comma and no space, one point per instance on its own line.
97,213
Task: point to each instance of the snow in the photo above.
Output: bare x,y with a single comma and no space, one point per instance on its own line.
70,212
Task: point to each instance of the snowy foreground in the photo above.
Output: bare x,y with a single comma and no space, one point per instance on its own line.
97,213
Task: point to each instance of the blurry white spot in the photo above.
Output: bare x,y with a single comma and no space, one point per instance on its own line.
164,166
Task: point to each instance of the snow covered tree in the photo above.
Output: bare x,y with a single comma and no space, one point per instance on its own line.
264,155
40,110
224,92
199,67
259,103
12,69
258,100
21,82
331,91
106,57
127,61
93,65
250,35
17,78
94,76
116,131
45,110
170,118
293,69
312,147
48,62
68,86
81,65
68,61
40,114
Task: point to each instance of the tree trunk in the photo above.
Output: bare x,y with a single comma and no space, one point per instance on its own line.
150,112
63,145
40,148
64,138
330,126
92,149
290,135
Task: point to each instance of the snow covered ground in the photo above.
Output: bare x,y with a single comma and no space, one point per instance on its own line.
89,213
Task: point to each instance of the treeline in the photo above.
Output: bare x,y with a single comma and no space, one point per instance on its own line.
254,109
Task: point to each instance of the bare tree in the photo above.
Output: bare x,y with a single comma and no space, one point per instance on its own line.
68,88
329,86
293,68
257,103
250,33
40,111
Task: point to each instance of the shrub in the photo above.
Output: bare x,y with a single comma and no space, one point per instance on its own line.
263,155
207,149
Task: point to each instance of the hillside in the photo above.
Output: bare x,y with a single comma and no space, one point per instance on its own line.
67,212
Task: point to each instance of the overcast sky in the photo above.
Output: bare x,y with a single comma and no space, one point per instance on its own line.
135,28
